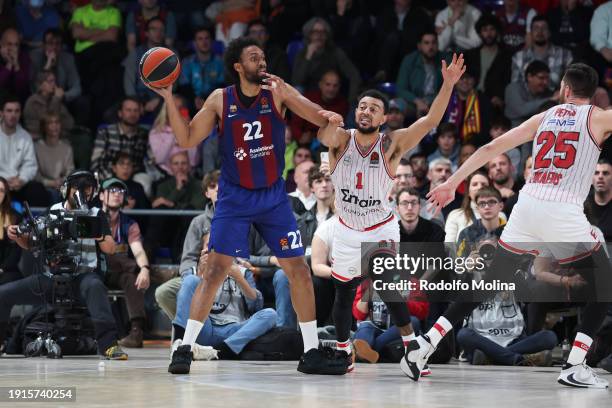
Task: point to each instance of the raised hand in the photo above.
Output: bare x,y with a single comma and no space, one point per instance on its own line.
333,118
440,196
454,70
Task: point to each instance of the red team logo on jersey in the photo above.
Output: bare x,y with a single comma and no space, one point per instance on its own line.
374,159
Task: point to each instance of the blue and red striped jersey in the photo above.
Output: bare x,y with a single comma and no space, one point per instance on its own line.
252,140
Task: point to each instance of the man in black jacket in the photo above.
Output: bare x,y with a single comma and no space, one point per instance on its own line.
496,59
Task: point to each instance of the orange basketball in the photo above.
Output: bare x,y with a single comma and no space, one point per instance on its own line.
159,67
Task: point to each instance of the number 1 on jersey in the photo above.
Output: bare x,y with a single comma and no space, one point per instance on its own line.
359,185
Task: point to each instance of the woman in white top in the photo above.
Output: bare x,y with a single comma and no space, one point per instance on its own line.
463,217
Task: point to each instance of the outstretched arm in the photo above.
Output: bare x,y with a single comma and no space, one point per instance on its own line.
405,139
294,100
445,192
191,134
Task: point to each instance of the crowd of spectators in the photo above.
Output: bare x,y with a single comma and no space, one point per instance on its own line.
71,97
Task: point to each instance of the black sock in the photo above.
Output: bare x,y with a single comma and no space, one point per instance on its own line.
179,332
226,353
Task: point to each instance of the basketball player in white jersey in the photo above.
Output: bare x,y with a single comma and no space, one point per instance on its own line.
567,140
362,163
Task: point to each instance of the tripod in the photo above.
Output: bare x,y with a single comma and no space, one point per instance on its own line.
67,326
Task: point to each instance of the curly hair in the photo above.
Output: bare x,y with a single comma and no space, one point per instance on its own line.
233,53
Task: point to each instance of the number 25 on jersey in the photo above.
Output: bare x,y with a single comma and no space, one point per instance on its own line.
564,152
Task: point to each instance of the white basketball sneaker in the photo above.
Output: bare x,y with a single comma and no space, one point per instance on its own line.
415,359
581,376
175,345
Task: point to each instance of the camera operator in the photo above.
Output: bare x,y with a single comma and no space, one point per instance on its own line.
78,190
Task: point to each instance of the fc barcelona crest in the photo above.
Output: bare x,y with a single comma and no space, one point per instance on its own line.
233,108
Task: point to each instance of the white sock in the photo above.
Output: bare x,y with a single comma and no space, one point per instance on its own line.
344,346
191,332
406,339
309,335
580,348
439,330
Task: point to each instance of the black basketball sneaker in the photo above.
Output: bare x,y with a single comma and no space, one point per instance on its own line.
181,360
323,360
415,359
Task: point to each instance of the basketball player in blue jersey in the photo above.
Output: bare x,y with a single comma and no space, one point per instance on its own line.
249,115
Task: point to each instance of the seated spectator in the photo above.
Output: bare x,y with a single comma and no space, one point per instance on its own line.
33,19
195,241
320,261
18,165
375,329
413,227
271,280
420,167
499,126
320,55
328,96
601,41
52,57
132,82
300,155
491,62
516,24
123,169
523,99
237,316
14,67
163,143
10,252
276,57
469,110
128,268
124,136
569,26
179,192
510,202
598,202
404,178
54,155
202,71
542,49
396,119
398,30
463,217
48,98
448,145
95,28
455,26
231,18
302,199
440,170
420,76
501,173
480,339
310,224
136,24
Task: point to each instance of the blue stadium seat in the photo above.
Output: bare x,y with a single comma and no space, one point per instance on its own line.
388,88
218,48
292,50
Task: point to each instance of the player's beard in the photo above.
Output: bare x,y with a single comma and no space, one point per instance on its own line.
254,77
367,130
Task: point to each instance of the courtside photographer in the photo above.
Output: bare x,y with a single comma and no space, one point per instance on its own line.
67,241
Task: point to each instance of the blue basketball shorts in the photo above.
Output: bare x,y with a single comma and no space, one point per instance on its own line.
267,209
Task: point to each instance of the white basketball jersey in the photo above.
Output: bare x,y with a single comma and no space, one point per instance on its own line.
564,155
362,182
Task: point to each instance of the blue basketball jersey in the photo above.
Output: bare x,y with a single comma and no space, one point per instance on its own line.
251,140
